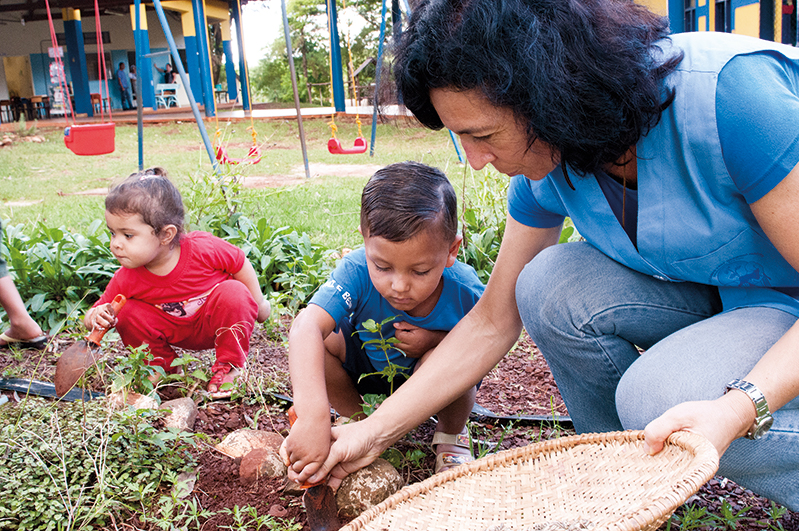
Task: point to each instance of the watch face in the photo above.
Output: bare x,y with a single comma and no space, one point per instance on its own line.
762,427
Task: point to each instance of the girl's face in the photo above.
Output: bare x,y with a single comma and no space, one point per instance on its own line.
408,273
135,244
491,135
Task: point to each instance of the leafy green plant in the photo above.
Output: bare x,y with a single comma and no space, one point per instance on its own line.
71,466
391,371
413,458
371,402
59,273
133,372
247,518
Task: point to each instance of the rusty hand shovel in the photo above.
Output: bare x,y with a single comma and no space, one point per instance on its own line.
74,362
318,500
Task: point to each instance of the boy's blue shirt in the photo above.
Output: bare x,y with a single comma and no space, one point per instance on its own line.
350,294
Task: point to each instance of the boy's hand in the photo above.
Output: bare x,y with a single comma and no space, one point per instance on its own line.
415,342
264,311
306,448
102,316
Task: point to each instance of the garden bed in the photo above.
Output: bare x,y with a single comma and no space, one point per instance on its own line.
520,385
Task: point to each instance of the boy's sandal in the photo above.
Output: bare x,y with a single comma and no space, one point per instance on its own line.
460,452
222,376
36,343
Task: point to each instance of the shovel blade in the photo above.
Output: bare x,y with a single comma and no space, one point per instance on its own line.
72,364
320,506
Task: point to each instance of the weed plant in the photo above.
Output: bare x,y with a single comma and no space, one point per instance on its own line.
70,466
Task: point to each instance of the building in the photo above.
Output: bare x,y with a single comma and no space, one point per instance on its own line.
29,71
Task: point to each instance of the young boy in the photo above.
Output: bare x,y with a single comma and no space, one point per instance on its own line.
407,269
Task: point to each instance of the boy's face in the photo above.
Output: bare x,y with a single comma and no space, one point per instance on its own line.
408,274
133,242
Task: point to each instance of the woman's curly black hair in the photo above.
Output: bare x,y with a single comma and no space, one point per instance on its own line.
581,74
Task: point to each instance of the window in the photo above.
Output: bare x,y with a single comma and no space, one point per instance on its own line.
723,16
690,15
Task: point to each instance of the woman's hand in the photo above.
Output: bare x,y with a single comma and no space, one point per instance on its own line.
354,446
721,421
414,341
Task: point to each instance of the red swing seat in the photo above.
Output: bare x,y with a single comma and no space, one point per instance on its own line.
90,139
253,156
334,146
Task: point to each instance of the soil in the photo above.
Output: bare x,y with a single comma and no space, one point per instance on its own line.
521,384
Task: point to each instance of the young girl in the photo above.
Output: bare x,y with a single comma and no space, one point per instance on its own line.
188,290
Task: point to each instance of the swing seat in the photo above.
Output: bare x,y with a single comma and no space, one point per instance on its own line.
90,139
334,146
253,156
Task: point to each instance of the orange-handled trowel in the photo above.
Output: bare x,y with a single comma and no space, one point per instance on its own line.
74,362
318,499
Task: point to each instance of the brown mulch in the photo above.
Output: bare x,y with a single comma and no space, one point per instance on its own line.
521,384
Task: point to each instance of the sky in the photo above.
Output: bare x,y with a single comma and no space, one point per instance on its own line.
263,23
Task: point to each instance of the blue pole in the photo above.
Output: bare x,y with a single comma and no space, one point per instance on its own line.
185,80
139,84
455,143
337,79
377,79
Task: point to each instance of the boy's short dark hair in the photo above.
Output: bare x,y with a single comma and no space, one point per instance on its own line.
406,198
153,196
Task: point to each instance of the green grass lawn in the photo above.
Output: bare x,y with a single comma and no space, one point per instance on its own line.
45,182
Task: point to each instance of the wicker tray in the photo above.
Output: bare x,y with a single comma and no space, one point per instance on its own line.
592,481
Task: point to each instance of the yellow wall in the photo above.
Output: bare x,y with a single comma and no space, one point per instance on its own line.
661,7
18,75
747,20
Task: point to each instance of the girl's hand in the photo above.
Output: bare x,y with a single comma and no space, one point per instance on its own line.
102,316
415,342
721,421
305,449
264,311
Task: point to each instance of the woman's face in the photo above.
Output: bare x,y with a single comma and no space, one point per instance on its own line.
491,135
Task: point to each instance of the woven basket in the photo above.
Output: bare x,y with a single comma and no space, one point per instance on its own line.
592,481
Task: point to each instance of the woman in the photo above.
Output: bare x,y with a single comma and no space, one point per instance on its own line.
677,161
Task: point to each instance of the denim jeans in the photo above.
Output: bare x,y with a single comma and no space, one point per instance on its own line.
589,315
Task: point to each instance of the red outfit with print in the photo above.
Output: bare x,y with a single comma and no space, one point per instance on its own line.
198,305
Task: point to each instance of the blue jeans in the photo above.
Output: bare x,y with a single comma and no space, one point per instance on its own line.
588,313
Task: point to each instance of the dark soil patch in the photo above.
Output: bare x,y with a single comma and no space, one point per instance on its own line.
521,384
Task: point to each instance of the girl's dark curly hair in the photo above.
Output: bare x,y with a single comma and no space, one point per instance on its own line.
153,196
581,74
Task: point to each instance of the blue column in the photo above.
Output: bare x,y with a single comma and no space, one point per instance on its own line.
198,7
192,58
335,57
76,57
144,68
230,71
244,74
230,68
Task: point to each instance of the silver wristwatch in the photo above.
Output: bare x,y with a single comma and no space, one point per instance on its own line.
763,418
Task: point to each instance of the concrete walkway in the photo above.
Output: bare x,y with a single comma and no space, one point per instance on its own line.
225,113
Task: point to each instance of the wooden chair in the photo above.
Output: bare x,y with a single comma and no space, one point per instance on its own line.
41,106
6,111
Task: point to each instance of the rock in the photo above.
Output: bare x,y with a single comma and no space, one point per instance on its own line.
122,399
258,463
278,511
367,487
183,413
240,442
293,488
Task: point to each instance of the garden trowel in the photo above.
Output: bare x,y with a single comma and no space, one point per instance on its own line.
74,362
319,500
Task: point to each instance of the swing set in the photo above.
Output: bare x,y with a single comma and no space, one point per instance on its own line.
334,144
85,139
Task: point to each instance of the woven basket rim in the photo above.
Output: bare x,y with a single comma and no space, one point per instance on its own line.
704,455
